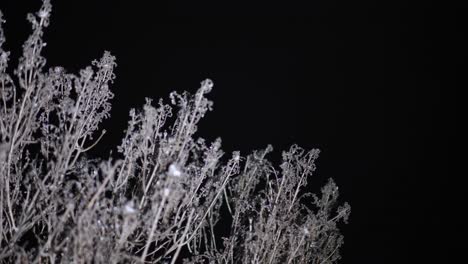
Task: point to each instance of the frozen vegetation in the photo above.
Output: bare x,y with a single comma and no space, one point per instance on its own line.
163,198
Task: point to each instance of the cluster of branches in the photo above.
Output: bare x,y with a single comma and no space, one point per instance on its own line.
165,194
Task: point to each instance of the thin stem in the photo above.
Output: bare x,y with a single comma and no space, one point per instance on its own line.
153,228
295,251
176,254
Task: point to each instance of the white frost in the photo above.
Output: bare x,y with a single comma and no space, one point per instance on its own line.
236,156
4,56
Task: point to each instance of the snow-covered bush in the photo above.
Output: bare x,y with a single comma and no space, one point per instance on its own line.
164,195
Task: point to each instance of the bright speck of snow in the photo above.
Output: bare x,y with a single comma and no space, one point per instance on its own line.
129,208
167,191
43,14
174,171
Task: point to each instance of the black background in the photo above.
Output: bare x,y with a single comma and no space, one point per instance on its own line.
374,86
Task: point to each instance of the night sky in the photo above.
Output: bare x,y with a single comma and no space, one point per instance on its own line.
373,86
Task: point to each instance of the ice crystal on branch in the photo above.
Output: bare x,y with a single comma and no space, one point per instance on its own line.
162,195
